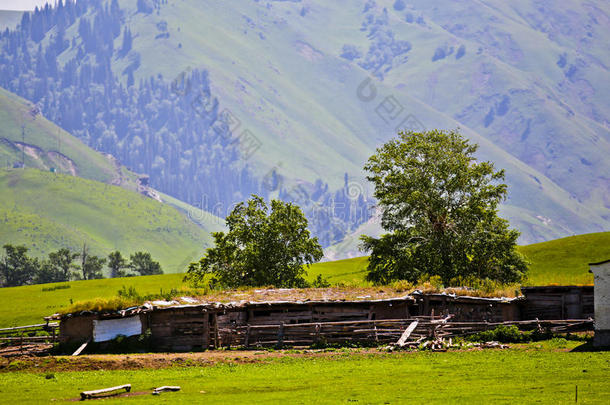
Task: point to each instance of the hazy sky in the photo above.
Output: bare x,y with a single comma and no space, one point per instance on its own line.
22,4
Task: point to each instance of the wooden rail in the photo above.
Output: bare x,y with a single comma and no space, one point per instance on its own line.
21,336
382,331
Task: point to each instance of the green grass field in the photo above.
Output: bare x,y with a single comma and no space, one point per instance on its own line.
561,261
536,374
29,304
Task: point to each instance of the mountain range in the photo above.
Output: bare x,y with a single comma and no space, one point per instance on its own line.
215,101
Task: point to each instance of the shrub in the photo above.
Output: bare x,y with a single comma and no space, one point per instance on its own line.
509,334
320,282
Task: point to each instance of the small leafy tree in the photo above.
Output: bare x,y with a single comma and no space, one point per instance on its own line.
440,207
143,264
91,266
62,263
117,264
261,247
16,267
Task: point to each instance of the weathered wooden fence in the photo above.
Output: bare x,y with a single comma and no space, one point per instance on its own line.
379,331
21,336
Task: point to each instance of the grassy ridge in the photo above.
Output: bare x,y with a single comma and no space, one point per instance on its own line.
541,375
28,304
45,211
48,146
563,261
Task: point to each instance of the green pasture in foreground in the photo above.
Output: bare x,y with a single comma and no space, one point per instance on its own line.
520,375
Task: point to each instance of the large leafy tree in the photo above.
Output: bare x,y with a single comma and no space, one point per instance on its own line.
261,247
440,207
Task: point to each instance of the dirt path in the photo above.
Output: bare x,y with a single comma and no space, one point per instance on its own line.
161,360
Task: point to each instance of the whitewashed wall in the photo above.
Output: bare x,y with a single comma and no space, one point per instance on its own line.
601,273
104,330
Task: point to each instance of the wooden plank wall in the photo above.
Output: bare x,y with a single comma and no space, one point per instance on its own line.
179,329
558,303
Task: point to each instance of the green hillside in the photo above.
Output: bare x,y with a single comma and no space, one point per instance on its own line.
563,261
46,145
28,304
46,208
45,211
527,83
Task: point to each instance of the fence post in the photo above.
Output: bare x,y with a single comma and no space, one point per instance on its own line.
247,338
280,336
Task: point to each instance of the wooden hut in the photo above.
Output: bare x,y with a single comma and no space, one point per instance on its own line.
209,325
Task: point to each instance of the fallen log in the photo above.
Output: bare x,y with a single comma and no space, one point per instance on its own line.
165,388
92,394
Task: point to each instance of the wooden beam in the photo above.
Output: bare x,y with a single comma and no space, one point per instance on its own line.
81,348
166,388
403,339
42,325
91,394
280,336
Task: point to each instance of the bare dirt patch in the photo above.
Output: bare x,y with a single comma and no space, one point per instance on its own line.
162,360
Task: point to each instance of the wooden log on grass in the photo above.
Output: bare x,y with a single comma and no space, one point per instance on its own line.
104,391
166,388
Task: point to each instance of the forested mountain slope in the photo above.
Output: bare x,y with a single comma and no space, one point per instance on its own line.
219,100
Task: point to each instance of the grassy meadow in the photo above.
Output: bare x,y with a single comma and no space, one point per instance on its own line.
545,372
